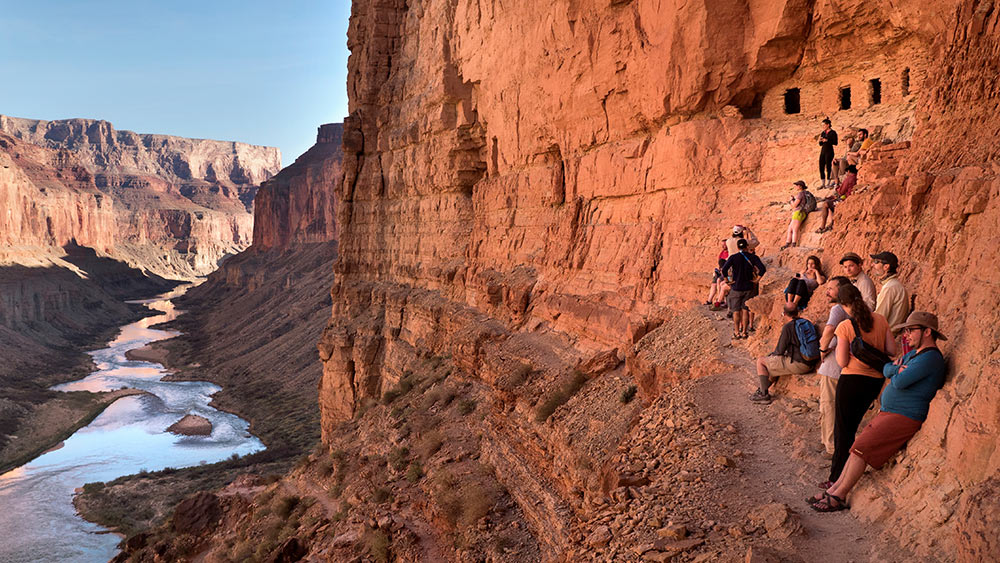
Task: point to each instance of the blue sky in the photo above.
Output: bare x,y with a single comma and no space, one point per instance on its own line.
261,72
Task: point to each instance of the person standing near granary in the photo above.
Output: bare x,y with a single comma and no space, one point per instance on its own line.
851,263
745,268
914,379
829,369
799,212
893,301
827,140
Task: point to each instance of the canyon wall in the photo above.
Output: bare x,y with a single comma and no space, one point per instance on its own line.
180,204
531,188
296,206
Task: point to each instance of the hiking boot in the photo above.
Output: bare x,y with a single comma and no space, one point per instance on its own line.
760,397
716,307
729,315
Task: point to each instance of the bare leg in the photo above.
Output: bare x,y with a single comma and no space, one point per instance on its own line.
853,470
794,228
826,211
713,291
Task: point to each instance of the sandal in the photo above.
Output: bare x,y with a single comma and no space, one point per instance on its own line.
826,505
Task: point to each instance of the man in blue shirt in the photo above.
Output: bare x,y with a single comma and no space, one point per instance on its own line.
745,267
913,381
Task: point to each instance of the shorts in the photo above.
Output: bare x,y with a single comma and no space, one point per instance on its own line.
717,276
798,215
737,300
783,365
885,435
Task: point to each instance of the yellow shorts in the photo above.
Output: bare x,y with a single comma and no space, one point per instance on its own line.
799,215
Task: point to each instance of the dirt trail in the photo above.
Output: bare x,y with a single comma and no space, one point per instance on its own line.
774,471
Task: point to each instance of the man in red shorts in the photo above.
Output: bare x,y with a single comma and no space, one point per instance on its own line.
913,381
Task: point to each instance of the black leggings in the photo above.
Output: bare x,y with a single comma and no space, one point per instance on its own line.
855,393
826,163
798,286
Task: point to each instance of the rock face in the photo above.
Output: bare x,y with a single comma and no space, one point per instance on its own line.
179,204
531,189
48,198
296,206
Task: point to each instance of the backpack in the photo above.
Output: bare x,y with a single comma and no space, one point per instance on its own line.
810,202
805,331
868,354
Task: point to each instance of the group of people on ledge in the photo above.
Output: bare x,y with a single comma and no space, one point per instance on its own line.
838,173
870,336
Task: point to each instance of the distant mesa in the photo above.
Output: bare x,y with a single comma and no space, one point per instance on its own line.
191,425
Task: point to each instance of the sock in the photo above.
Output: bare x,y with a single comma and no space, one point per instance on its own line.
765,383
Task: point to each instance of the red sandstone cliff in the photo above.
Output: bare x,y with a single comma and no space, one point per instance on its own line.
540,184
180,204
296,206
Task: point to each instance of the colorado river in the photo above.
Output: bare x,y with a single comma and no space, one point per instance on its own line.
37,518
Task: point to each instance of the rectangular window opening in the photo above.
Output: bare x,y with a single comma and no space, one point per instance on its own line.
845,97
906,81
875,91
792,101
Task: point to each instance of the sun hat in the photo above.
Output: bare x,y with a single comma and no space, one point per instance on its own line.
853,256
922,319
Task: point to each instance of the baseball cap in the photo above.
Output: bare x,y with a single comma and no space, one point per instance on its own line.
887,257
800,183
737,230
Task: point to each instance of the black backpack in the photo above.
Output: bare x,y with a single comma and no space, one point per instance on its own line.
810,202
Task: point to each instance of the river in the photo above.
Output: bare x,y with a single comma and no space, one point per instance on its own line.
37,518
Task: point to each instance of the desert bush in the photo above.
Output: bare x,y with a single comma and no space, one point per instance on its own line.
93,488
324,467
376,543
628,394
381,495
399,458
442,394
283,506
560,396
429,444
463,501
414,472
466,406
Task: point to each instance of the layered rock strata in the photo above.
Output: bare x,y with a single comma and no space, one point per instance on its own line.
180,204
296,206
530,190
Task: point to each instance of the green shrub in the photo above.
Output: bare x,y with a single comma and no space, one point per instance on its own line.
399,458
284,506
466,406
381,496
376,543
560,396
628,394
414,472
429,444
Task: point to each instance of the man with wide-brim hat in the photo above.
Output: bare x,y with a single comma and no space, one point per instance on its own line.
914,379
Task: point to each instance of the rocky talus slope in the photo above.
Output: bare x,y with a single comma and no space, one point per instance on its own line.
533,200
180,205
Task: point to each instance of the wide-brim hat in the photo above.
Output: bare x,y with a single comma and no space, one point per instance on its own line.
922,319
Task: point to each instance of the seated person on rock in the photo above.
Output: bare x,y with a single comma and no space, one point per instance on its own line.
796,353
853,155
740,231
851,264
914,379
744,268
801,287
719,289
845,189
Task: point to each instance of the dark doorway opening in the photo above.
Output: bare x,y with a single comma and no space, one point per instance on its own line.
906,81
792,101
845,97
875,91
